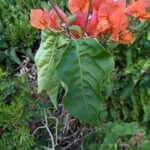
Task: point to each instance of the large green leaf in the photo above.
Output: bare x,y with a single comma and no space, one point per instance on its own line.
84,65
46,59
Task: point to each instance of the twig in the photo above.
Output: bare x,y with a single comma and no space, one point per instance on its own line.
68,146
61,18
46,148
87,17
56,131
70,136
66,124
105,42
42,127
54,144
50,134
65,26
82,138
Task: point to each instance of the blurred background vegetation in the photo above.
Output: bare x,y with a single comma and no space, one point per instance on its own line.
22,110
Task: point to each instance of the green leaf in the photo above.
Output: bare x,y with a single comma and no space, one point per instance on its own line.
13,56
71,18
118,130
144,146
145,96
84,65
1,72
46,60
146,66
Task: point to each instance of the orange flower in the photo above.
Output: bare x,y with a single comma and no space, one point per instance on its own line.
96,4
79,20
126,37
104,8
106,16
118,19
55,19
42,19
91,29
118,23
39,18
103,25
137,9
111,14
114,36
78,5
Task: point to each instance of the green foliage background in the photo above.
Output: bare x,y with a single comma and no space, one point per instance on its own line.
127,113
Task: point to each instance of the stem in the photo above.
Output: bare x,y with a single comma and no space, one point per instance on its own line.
33,3
42,127
66,28
87,17
53,5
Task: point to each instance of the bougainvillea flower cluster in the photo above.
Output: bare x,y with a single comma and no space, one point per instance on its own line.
138,9
42,19
105,17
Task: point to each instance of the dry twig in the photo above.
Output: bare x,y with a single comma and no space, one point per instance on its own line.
54,142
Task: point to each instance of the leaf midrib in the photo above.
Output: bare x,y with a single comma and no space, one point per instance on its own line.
80,70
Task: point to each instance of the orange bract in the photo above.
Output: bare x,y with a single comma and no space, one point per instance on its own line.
104,9
54,18
106,17
78,5
118,19
80,19
137,9
126,37
92,23
42,19
37,19
96,4
103,25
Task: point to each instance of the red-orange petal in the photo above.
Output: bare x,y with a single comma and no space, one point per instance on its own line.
37,19
104,9
145,16
138,10
126,37
117,17
78,5
79,20
96,4
92,23
114,36
54,18
103,25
